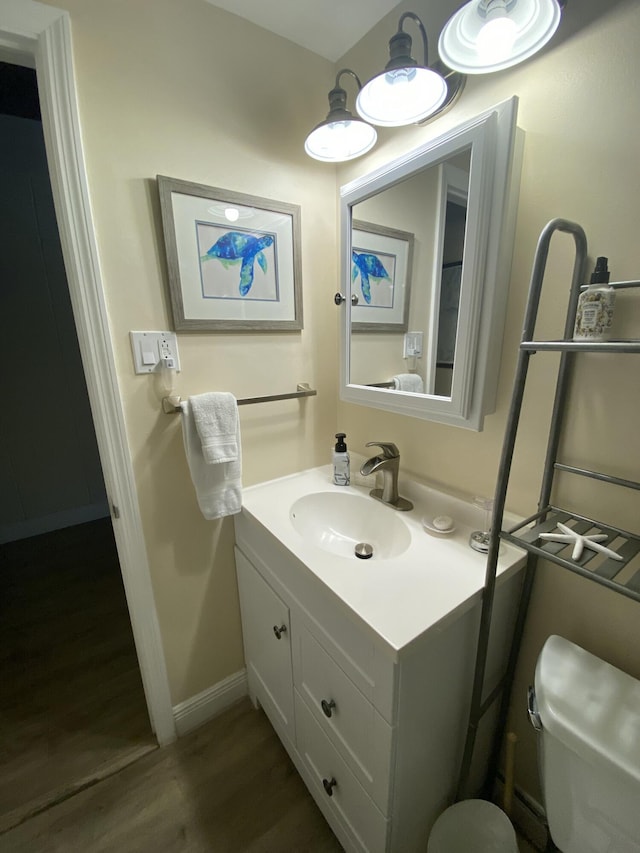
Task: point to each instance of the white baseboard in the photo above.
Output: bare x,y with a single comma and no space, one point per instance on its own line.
28,527
199,709
527,815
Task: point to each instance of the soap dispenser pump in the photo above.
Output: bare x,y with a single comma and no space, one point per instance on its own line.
341,472
595,306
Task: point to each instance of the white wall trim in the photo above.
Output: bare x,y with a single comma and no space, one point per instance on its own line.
527,815
45,32
199,709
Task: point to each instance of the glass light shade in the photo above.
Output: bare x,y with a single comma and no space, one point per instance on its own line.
464,43
401,96
337,141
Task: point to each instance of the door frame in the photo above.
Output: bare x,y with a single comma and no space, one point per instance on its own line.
38,35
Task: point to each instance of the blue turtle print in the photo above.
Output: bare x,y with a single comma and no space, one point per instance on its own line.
367,266
235,247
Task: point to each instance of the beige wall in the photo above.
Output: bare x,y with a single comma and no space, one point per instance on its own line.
581,123
186,90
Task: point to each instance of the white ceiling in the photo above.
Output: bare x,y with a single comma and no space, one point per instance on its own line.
327,27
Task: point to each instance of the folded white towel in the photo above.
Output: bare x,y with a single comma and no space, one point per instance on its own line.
408,382
216,417
219,486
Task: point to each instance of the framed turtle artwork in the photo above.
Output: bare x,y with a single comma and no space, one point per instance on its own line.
381,265
233,260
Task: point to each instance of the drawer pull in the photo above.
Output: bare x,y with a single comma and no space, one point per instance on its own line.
279,631
329,785
327,707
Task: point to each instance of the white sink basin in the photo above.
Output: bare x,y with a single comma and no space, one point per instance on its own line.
338,521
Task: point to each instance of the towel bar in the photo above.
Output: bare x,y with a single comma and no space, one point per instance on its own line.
171,405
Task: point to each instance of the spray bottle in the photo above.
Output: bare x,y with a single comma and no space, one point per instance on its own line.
595,306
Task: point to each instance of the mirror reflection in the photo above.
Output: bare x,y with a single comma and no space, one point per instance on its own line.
407,259
425,247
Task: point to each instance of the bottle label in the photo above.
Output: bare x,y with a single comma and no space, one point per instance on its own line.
590,316
595,314
341,472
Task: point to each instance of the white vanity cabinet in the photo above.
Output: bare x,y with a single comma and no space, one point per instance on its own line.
375,731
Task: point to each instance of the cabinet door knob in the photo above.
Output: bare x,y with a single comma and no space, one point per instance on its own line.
279,631
327,707
329,785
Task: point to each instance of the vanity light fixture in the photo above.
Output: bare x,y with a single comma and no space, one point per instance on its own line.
341,136
490,35
405,92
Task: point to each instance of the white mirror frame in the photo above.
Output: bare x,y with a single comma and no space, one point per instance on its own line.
492,201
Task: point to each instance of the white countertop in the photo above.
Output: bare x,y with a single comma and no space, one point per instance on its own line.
400,597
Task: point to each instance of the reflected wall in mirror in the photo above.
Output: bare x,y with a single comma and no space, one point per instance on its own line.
426,247
433,202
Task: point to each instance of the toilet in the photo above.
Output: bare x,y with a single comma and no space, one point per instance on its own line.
587,714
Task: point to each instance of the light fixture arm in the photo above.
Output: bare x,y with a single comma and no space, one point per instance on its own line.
348,71
400,45
338,95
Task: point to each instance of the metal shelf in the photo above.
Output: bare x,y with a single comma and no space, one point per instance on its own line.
581,346
619,575
622,576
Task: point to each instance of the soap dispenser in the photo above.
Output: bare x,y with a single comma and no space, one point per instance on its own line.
341,474
595,306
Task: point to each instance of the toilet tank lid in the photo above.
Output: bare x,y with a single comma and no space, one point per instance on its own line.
589,705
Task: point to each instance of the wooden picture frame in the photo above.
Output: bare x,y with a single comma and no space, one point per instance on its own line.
233,260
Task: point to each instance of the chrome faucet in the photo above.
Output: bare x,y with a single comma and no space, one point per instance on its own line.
389,463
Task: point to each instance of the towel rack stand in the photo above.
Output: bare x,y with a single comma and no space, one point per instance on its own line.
171,405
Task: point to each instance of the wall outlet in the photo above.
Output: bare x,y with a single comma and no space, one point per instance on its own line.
412,344
150,348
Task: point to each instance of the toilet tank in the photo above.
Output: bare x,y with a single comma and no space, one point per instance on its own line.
589,750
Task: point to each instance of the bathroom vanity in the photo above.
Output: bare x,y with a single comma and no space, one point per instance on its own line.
364,667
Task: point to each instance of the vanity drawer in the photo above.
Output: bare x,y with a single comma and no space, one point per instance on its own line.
347,801
345,715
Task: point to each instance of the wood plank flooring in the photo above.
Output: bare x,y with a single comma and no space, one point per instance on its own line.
72,707
225,788
228,787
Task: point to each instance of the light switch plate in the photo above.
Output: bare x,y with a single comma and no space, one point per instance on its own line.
412,344
149,348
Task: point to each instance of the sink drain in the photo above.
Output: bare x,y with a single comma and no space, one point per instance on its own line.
363,551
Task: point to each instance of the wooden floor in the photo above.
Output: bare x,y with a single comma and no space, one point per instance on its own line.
72,707
225,788
228,787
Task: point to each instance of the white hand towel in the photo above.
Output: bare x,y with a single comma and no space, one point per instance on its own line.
216,417
219,486
408,382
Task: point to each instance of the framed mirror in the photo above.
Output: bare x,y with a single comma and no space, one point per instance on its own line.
426,247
